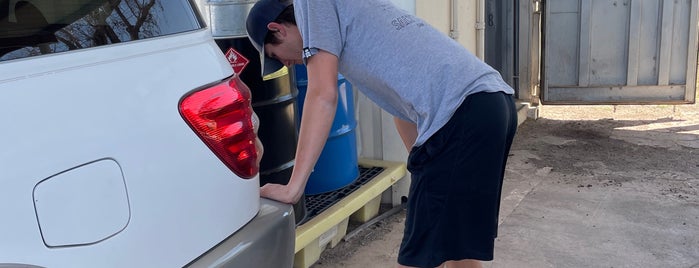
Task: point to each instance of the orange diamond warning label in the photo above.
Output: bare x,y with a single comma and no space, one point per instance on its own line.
237,60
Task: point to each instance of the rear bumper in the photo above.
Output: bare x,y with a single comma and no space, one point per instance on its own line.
266,241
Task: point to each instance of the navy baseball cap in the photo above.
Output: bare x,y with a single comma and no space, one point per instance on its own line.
261,14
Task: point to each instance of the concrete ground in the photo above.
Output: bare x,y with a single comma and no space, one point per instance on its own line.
592,186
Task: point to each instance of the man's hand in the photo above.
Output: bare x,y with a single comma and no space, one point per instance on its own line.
282,193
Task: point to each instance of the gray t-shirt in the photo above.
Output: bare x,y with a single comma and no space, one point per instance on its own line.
407,67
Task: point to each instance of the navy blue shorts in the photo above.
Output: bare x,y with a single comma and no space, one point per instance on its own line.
454,198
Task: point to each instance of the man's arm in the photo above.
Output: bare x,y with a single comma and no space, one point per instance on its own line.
407,132
319,109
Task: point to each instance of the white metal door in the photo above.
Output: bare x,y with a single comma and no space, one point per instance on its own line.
620,51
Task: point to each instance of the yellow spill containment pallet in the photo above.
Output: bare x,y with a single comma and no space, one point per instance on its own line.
327,224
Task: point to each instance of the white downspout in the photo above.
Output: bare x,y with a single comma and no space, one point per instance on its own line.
480,29
454,24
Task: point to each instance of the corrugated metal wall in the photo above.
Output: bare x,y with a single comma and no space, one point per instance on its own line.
620,51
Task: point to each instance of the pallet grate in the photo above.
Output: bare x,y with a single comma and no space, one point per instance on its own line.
316,204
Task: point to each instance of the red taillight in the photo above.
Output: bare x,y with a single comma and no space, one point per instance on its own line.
222,117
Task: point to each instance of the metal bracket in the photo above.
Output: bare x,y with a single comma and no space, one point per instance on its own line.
537,6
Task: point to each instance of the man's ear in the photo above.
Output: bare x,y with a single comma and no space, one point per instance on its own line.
277,28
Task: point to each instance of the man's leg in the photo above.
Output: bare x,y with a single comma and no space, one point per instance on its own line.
456,264
463,264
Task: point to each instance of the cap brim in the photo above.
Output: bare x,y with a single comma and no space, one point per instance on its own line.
269,65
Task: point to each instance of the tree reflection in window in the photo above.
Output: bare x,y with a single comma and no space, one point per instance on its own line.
115,21
87,24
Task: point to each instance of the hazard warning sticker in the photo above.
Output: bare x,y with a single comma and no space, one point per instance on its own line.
237,60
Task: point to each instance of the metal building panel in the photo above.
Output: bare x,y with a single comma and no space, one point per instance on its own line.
615,95
680,42
562,55
565,6
634,44
692,51
609,25
585,43
665,43
648,42
645,50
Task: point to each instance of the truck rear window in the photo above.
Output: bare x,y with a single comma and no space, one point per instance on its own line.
38,27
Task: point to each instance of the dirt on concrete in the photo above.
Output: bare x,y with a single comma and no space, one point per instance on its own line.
608,148
586,186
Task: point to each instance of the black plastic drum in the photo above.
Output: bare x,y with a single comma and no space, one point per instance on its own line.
274,102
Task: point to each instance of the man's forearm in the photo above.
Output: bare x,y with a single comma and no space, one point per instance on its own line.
407,132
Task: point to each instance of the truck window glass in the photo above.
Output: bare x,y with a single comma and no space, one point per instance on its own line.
38,27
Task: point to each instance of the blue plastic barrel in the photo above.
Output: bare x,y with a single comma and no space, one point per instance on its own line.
337,165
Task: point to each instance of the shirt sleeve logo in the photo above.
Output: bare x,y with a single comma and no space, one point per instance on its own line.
308,52
402,21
